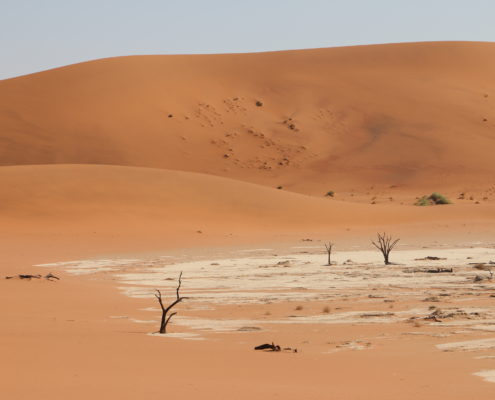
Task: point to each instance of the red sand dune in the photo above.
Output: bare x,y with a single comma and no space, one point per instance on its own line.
379,123
419,115
153,205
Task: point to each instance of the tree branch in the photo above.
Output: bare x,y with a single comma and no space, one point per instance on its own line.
169,318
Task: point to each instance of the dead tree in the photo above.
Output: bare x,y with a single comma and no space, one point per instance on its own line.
329,251
385,245
165,320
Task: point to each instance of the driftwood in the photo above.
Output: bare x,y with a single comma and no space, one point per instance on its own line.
165,320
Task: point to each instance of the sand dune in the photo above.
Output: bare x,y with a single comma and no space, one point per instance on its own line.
78,193
418,115
154,145
92,209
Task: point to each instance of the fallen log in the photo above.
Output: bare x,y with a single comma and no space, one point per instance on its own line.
48,277
29,276
274,347
268,346
439,270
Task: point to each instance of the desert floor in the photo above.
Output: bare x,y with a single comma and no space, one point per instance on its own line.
361,329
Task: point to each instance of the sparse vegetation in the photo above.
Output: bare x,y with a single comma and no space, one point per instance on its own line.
299,308
326,309
385,244
422,201
259,103
432,200
330,193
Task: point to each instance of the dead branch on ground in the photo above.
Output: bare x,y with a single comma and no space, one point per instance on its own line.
268,346
274,347
48,277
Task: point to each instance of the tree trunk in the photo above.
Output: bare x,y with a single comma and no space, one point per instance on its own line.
163,325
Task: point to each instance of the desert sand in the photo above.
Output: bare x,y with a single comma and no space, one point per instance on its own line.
117,174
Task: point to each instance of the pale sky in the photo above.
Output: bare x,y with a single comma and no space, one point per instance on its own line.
41,34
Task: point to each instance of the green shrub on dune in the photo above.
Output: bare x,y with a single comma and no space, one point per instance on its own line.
432,200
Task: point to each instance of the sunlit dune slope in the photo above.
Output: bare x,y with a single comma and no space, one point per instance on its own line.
97,195
421,115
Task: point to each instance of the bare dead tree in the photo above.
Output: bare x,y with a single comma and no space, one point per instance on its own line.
385,244
165,320
329,251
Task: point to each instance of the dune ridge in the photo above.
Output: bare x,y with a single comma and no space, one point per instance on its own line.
418,115
158,144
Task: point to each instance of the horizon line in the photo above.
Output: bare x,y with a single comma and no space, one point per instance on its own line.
241,52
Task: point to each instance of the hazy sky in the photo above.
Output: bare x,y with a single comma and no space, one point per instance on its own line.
41,34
